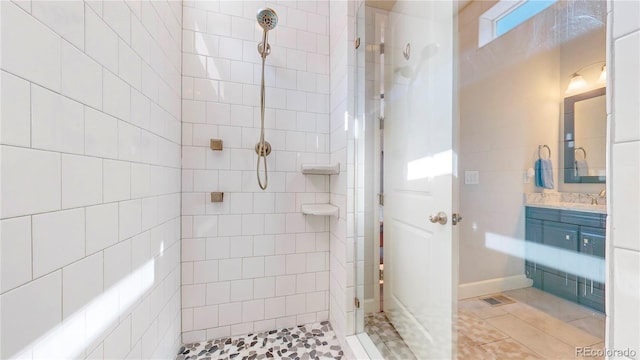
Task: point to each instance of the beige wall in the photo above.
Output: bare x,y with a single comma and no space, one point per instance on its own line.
511,92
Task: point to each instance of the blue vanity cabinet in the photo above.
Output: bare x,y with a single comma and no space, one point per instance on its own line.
552,235
534,235
590,291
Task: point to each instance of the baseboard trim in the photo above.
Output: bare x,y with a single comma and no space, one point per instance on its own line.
493,286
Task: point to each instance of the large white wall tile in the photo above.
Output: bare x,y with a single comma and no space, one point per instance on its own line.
116,96
16,252
101,41
66,18
57,123
117,180
626,88
29,49
626,287
117,344
16,111
81,283
58,240
130,222
81,181
117,263
626,17
91,111
31,181
117,15
100,134
626,194
81,76
29,311
101,227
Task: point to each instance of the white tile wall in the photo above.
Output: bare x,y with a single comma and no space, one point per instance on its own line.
623,297
91,178
241,255
341,28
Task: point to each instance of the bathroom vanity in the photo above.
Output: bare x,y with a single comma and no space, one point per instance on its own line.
565,249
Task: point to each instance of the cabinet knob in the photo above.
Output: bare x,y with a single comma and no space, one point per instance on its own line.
567,237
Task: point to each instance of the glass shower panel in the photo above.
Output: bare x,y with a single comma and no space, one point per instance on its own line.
359,155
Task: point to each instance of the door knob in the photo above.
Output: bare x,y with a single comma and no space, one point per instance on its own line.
456,218
440,218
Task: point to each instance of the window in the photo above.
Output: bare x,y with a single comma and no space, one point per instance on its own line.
506,15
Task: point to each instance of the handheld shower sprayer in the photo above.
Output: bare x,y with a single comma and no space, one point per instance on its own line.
267,19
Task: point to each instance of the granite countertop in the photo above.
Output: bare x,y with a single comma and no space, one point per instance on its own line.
600,209
566,201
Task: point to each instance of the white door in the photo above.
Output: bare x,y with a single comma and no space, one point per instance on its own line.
420,270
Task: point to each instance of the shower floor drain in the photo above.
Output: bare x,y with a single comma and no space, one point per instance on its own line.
498,300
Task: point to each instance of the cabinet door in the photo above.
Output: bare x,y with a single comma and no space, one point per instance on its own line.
592,241
558,235
533,235
591,296
564,285
591,292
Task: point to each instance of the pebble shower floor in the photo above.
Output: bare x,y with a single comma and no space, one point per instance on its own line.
306,342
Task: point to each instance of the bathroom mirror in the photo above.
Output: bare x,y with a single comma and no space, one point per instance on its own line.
585,129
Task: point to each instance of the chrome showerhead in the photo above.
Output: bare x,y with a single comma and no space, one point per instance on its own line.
267,18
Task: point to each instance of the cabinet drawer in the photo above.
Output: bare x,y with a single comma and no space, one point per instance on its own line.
583,218
562,286
543,214
560,235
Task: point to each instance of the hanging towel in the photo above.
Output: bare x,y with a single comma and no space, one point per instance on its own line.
544,173
582,168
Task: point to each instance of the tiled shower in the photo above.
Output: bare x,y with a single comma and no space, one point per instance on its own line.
111,245
253,262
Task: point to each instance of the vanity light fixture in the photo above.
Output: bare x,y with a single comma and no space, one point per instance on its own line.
578,81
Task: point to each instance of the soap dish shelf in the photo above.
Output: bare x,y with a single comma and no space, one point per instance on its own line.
320,209
321,169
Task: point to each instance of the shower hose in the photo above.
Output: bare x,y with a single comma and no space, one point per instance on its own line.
262,150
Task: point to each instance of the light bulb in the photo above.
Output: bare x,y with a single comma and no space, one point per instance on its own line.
603,74
577,82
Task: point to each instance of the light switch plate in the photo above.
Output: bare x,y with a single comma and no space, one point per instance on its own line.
472,177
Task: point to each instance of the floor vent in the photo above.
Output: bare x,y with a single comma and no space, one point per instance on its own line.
498,300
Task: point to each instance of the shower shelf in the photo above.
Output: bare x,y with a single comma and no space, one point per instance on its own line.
318,169
320,209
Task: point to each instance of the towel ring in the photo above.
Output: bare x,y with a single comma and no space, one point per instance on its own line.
540,147
584,152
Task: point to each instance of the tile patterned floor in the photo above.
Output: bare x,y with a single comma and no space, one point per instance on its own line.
537,325
386,338
315,341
